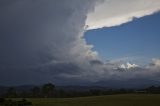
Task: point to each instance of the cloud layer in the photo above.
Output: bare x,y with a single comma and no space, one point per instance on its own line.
112,12
42,41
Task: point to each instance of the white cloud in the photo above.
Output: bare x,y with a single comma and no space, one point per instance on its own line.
113,12
131,65
123,66
155,64
128,66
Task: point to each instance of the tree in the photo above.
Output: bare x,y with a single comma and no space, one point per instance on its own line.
35,91
48,90
11,93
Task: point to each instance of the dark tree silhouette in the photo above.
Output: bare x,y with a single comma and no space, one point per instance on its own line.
35,91
11,93
48,90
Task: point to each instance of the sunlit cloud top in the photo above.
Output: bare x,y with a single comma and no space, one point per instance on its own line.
113,12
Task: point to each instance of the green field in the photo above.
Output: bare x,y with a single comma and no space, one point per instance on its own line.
110,100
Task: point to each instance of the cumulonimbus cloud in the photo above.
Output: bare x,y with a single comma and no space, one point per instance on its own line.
42,41
113,13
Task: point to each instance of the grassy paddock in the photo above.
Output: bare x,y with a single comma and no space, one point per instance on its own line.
110,100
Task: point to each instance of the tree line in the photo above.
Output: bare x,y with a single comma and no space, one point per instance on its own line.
50,91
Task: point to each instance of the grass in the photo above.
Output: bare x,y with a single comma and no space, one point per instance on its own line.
110,100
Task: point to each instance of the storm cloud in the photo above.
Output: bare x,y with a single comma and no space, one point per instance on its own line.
43,41
39,36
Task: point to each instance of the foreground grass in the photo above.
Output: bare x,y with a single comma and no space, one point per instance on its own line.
110,100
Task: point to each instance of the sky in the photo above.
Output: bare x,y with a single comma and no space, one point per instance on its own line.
68,42
136,41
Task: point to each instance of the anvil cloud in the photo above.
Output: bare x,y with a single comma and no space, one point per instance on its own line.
116,12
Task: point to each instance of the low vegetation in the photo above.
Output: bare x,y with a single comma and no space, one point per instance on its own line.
48,95
10,102
108,100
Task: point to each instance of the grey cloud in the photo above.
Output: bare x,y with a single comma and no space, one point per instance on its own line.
42,41
39,36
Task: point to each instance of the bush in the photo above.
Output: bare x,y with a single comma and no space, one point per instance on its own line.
9,102
24,102
2,100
